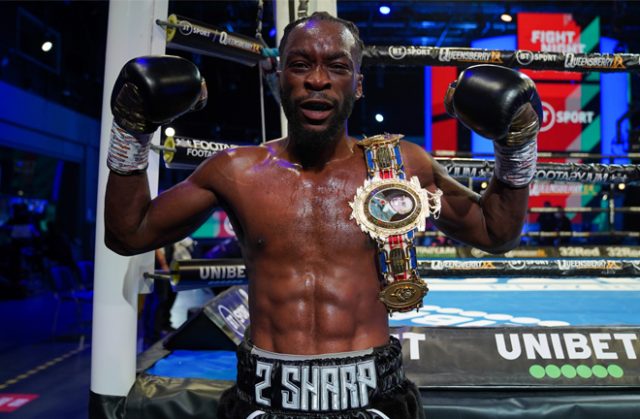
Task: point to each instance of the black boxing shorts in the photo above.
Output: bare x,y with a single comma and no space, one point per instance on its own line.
367,384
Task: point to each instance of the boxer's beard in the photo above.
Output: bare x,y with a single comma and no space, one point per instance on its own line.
309,142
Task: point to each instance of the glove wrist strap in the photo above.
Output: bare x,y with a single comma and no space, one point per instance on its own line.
127,155
523,134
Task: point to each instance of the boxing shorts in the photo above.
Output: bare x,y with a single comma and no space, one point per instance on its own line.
367,384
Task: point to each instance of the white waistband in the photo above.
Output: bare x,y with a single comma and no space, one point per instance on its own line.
292,357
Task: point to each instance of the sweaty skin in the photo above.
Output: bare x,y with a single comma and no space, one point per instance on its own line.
313,279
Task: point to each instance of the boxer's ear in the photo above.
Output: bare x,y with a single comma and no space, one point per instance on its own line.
359,93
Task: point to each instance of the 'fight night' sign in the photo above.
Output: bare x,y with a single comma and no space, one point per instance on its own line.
570,100
550,32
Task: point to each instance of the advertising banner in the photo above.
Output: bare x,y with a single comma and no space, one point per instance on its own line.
551,32
570,100
557,357
218,226
229,310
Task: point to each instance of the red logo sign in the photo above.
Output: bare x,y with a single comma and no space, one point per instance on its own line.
549,32
12,402
563,117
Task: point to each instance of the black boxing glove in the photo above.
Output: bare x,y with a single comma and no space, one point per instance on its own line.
149,91
501,104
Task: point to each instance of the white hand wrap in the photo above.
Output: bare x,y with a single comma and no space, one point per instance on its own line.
127,154
516,164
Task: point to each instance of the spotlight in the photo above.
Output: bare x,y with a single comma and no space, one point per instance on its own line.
622,186
169,132
484,185
605,197
46,46
379,117
384,10
506,17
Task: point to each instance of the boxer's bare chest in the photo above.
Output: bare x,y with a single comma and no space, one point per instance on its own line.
286,209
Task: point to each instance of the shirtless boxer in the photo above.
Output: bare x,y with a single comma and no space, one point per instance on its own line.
319,343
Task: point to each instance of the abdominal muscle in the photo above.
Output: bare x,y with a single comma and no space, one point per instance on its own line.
316,309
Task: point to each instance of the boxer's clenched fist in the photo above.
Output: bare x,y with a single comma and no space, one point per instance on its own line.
154,90
149,91
501,104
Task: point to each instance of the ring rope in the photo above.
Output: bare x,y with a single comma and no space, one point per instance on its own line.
544,154
261,76
233,272
538,210
581,234
259,16
462,168
584,234
557,172
452,268
417,55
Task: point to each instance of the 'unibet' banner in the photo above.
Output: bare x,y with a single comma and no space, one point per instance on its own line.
521,356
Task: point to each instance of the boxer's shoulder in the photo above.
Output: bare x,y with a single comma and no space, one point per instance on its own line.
238,158
254,154
417,161
420,163
410,149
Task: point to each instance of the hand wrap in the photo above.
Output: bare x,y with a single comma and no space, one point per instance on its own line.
150,91
515,165
127,154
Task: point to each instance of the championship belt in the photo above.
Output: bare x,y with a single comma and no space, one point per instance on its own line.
390,209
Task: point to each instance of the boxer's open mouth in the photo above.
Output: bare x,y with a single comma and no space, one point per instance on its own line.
316,110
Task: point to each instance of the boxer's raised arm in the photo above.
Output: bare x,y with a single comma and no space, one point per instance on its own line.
134,223
151,91
492,221
503,105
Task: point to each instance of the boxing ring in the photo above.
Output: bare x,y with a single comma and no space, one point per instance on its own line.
497,337
482,345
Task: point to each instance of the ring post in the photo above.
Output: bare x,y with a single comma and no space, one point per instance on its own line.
118,279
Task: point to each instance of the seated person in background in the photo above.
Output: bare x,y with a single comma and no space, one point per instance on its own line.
547,222
563,224
164,295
